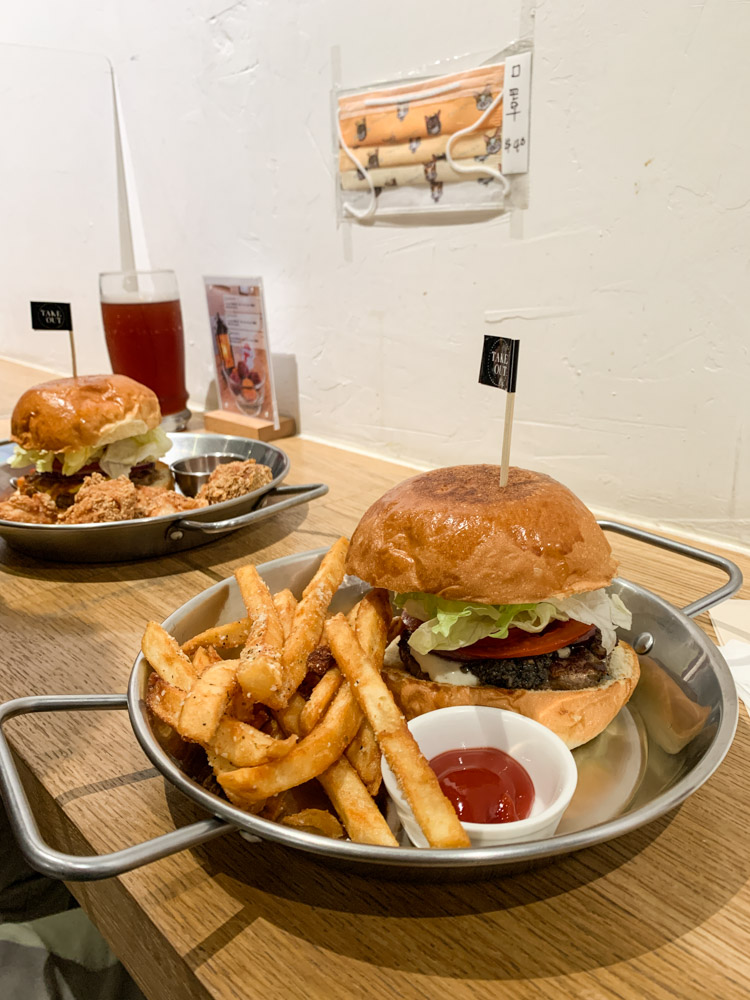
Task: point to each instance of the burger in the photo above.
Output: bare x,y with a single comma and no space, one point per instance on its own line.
502,596
71,427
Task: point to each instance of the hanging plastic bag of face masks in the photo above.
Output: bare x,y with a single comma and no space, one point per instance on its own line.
439,145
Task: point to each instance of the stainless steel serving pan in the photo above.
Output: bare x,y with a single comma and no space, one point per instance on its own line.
158,536
648,776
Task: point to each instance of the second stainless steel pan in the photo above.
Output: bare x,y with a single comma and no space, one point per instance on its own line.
158,536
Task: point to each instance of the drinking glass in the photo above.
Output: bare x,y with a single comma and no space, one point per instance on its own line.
143,327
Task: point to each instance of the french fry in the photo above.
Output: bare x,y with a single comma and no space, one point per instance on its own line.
362,819
246,746
432,810
205,703
203,657
220,704
395,628
289,716
309,758
164,700
230,636
318,821
310,617
220,766
371,623
363,753
286,605
319,700
166,657
236,743
260,672
242,707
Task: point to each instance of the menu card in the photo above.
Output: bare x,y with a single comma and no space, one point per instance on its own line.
241,350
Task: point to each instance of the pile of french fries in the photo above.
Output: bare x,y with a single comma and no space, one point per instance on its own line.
288,696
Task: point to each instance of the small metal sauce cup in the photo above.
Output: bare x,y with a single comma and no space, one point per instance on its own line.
191,473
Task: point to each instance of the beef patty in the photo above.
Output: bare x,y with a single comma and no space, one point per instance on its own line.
586,666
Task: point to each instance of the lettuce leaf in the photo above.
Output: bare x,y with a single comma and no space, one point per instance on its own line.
455,624
72,461
116,459
120,456
22,457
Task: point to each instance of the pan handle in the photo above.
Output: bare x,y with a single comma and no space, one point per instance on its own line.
733,571
71,867
295,495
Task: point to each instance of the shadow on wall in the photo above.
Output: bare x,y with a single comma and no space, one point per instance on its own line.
286,382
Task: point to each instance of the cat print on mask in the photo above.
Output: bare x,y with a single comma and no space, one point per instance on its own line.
373,160
391,183
362,130
483,100
485,180
414,145
430,171
494,144
433,123
436,190
402,110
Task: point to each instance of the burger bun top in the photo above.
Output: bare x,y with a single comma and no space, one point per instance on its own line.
89,411
457,533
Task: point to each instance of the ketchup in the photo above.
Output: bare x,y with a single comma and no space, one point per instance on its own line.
484,784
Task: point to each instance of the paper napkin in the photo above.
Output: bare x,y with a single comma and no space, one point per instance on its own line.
731,620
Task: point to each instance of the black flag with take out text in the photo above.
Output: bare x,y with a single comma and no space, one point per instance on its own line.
51,316
499,363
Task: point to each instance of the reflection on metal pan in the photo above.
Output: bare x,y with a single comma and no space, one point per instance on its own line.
157,536
660,750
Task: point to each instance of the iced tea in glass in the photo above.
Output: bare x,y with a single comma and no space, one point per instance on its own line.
143,327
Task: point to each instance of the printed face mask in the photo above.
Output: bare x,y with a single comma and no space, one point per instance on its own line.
435,133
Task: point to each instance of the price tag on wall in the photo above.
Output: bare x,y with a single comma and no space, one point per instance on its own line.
516,105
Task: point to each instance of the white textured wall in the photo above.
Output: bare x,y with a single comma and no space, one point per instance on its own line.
638,235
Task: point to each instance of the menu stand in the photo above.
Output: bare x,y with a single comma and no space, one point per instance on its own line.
226,422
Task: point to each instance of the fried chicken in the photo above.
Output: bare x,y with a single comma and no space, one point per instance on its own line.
101,499
37,509
153,501
233,480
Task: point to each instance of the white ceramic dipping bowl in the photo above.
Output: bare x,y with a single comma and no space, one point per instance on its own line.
548,761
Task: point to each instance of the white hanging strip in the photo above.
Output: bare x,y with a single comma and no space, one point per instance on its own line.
134,254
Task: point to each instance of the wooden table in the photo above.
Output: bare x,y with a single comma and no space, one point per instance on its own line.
660,913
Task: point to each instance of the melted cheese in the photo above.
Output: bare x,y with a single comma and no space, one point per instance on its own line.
436,667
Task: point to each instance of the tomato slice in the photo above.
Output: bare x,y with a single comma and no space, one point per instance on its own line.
520,643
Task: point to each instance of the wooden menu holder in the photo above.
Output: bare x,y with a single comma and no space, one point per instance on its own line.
227,422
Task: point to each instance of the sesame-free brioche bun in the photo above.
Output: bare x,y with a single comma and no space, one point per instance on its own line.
84,412
576,716
457,533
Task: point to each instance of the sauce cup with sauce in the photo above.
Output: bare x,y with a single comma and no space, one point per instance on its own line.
541,754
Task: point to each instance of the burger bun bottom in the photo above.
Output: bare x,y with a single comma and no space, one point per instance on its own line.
576,716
